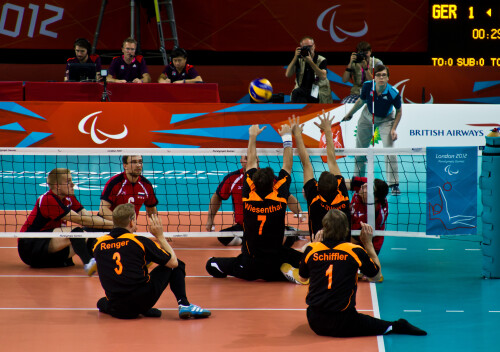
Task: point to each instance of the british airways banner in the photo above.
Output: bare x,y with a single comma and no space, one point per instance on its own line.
451,191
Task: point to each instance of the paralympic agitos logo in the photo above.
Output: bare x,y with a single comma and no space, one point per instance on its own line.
94,130
332,27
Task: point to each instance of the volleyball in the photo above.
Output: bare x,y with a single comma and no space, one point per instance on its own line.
260,90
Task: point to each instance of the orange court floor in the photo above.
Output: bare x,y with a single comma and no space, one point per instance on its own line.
55,310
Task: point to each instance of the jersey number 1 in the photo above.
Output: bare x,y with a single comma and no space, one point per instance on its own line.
329,273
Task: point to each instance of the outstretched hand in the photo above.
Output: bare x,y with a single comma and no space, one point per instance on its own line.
155,225
325,123
285,129
295,124
255,130
366,234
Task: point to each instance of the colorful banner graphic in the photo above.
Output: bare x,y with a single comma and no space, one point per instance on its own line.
451,190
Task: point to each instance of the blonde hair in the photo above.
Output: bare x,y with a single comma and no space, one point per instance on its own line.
123,214
55,177
335,225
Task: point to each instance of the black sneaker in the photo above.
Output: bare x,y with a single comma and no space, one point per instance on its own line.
152,313
214,270
395,190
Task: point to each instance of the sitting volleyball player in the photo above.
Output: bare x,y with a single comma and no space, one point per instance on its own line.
359,208
264,211
122,259
50,214
231,186
331,264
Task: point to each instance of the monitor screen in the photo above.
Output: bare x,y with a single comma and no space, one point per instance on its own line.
82,72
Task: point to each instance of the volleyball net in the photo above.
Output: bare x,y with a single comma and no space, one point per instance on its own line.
184,181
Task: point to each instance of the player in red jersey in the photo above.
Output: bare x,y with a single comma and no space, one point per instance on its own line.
359,207
50,214
331,263
128,187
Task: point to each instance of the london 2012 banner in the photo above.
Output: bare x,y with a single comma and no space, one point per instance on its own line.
451,190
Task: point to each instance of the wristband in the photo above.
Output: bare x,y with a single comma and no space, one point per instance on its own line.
287,140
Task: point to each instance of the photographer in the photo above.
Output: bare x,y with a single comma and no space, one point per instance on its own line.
359,69
311,84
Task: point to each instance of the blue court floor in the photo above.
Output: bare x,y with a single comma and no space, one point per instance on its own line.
436,284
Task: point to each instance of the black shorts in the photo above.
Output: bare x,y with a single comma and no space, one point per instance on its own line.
139,301
348,323
248,268
35,253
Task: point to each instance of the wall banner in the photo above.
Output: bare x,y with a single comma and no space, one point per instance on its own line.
451,190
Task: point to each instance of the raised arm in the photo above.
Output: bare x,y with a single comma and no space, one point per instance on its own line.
156,229
303,154
326,126
286,135
253,132
366,237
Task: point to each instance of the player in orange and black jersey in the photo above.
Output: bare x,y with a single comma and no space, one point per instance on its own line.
264,211
122,259
330,191
331,263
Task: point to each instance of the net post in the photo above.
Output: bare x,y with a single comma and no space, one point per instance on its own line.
370,175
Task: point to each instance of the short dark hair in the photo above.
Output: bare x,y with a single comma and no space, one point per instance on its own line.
380,68
381,190
363,46
327,184
179,52
84,43
263,180
125,158
335,225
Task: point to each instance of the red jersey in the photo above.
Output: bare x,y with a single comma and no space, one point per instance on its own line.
359,213
49,211
119,190
231,186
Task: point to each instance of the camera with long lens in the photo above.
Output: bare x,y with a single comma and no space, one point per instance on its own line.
360,56
305,50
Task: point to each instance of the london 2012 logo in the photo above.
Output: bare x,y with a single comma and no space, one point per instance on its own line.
93,130
332,28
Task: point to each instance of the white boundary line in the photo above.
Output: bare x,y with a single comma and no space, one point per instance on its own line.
376,314
166,309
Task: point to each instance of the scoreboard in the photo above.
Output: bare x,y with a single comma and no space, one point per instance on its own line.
464,33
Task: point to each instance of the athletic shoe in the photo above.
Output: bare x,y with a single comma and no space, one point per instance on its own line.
292,274
152,313
213,269
91,267
193,311
395,190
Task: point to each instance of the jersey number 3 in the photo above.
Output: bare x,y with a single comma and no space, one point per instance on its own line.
117,258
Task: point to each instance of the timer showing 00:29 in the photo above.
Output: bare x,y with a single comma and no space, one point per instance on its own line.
481,33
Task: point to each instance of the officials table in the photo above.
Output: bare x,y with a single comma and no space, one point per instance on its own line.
117,92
